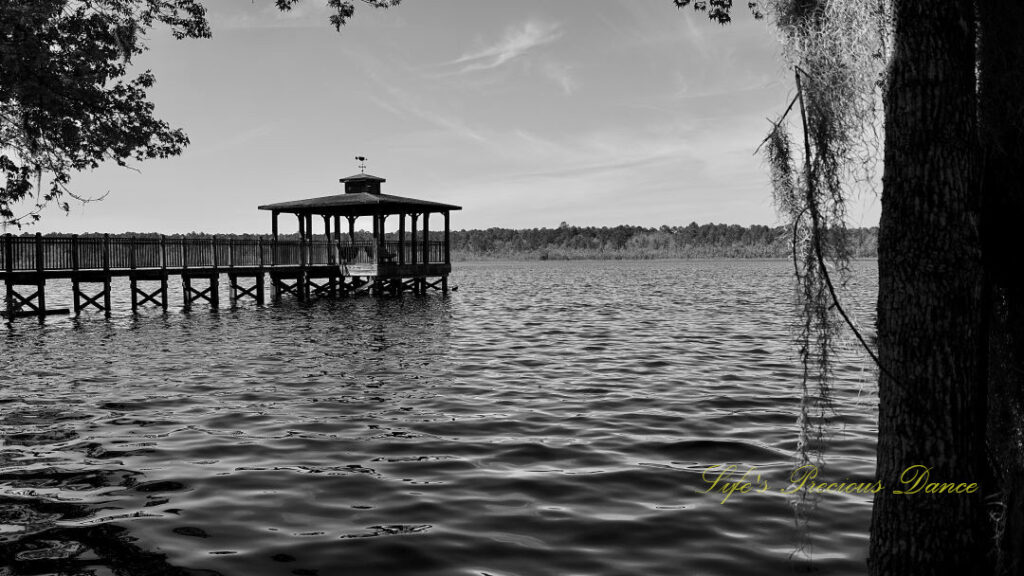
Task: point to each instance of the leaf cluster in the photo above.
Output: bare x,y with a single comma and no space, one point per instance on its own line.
342,9
69,100
719,10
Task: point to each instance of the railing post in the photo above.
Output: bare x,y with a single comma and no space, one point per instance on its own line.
231,252
9,253
131,252
39,253
259,252
184,253
74,253
106,254
213,246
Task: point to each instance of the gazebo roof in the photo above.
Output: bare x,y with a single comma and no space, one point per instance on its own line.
359,204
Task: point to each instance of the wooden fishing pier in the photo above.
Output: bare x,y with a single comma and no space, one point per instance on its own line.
328,264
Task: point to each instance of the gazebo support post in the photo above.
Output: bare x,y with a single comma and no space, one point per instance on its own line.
426,250
447,251
401,239
327,237
301,280
306,280
412,247
378,284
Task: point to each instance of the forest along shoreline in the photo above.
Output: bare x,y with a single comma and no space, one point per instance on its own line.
622,242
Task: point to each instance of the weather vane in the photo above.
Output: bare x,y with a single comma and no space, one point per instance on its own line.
362,163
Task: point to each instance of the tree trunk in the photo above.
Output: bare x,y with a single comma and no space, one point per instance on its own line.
1001,115
930,337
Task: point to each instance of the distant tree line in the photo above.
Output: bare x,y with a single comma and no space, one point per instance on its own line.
617,243
636,242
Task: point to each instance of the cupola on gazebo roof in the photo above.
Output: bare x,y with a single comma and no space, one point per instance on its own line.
362,182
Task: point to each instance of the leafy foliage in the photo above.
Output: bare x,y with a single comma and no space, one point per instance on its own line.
719,10
342,9
67,102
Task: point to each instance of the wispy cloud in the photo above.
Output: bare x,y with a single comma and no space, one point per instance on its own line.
404,104
561,74
516,42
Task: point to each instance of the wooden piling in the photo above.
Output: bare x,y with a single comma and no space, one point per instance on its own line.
163,291
132,280
40,279
9,265
74,275
163,272
106,274
186,289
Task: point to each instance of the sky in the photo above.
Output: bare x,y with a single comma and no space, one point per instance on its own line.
527,114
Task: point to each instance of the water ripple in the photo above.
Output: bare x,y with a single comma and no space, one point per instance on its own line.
547,418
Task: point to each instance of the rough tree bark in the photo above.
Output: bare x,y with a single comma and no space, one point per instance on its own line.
930,336
1001,130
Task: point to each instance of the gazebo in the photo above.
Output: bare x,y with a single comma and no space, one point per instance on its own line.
409,260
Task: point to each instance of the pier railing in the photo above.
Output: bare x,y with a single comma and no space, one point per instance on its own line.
73,253
406,253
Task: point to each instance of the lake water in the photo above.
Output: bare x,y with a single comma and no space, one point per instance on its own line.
546,418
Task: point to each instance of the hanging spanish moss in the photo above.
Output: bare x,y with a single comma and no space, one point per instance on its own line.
836,48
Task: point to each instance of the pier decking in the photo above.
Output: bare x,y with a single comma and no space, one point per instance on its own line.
302,268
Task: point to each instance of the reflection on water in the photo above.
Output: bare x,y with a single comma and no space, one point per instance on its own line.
547,418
